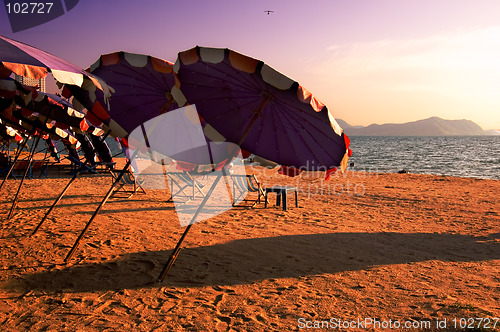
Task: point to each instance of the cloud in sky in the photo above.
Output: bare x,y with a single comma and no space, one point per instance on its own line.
452,75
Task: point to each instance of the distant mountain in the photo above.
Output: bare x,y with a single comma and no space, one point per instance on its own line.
345,125
489,132
429,127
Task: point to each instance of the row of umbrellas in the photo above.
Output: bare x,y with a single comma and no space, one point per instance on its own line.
239,99
22,105
50,113
31,113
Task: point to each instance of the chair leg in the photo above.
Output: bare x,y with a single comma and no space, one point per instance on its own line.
255,203
140,187
263,194
44,171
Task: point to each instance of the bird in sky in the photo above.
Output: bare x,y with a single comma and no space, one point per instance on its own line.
268,11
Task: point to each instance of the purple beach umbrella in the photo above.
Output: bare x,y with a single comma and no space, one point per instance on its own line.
143,89
262,111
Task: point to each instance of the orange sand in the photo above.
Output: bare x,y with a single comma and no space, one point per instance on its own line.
386,246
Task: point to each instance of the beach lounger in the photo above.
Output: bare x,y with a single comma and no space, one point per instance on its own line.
182,184
20,167
104,166
242,184
127,179
39,165
82,167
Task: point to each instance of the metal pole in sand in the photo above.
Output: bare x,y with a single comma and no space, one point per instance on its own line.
18,153
96,212
61,195
175,252
108,195
30,159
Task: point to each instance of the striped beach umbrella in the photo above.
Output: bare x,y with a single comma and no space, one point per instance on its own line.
144,86
28,61
262,111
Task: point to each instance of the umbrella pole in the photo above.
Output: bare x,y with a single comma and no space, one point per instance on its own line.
15,160
108,195
96,212
55,202
61,195
177,249
30,159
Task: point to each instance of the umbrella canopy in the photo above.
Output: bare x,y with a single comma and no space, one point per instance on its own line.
51,109
23,119
55,111
260,109
144,86
9,134
29,61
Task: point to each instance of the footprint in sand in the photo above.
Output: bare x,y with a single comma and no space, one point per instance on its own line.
225,290
218,298
173,293
110,265
142,265
220,318
243,317
224,319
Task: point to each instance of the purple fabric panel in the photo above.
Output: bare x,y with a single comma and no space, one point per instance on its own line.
140,92
288,131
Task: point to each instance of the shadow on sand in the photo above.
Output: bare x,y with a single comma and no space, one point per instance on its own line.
251,260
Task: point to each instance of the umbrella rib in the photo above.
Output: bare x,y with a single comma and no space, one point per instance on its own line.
311,114
125,111
238,80
242,80
221,114
244,90
284,118
298,124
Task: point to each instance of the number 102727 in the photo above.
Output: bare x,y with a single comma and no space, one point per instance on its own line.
29,7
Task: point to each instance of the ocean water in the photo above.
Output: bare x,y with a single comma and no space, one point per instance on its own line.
464,156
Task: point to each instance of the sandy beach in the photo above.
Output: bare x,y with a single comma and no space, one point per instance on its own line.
386,247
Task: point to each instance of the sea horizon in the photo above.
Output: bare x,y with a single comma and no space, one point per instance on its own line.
460,156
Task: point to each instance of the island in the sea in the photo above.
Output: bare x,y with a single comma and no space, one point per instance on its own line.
433,126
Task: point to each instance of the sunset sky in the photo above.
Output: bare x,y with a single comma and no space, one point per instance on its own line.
375,61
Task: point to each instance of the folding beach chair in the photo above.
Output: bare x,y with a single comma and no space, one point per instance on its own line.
246,183
127,179
39,165
81,167
180,182
19,168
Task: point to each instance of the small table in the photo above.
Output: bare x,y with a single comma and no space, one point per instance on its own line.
281,192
